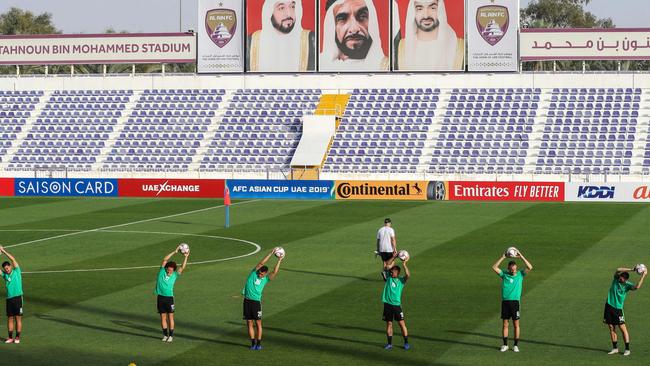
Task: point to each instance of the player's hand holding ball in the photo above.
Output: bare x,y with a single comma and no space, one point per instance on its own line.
184,249
512,252
640,269
403,255
279,252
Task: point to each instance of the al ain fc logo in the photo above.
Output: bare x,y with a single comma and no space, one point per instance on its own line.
221,25
492,22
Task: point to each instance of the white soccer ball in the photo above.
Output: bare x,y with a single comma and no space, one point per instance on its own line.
640,268
183,248
403,255
279,252
512,252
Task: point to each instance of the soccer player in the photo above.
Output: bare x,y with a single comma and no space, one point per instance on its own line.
252,292
511,285
167,277
614,307
12,275
386,245
392,298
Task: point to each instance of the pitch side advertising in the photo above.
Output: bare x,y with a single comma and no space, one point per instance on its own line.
381,190
6,187
281,189
65,187
165,188
506,191
608,192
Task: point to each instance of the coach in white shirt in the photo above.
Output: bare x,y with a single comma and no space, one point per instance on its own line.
386,244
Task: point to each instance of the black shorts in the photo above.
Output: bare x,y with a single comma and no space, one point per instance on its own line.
510,309
165,304
15,306
392,313
252,310
385,256
613,316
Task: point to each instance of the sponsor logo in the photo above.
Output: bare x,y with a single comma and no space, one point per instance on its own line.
641,193
221,25
437,190
492,22
596,192
506,191
280,189
65,187
166,187
414,190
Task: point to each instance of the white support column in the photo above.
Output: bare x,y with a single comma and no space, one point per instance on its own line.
104,68
71,70
133,70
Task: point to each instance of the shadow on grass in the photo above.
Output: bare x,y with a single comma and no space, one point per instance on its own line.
411,336
524,340
90,326
181,335
329,274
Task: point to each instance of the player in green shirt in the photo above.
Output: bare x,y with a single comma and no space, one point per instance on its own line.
167,276
511,286
392,299
252,292
614,306
12,275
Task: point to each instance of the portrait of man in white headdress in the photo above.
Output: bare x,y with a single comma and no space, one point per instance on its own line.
429,43
282,45
351,37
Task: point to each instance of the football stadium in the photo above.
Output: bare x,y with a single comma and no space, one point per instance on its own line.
324,182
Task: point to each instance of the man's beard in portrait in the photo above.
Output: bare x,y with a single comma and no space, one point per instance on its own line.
435,23
357,53
281,28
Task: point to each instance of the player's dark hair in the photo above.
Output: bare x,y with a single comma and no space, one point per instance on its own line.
511,263
397,268
387,220
625,275
171,265
5,263
263,269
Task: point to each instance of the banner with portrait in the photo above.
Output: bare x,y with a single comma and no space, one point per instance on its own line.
220,36
354,35
281,35
492,35
429,35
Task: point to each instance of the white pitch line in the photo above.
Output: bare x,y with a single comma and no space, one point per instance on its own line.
125,224
257,250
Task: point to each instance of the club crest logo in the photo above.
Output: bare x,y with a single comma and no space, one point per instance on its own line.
221,25
492,22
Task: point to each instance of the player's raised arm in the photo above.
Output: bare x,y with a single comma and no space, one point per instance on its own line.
638,285
407,273
393,242
276,269
264,260
11,257
623,269
187,256
389,264
495,266
529,266
168,257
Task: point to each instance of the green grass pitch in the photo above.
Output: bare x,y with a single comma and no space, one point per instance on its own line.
325,306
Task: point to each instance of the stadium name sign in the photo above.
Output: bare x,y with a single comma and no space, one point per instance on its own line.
585,44
97,48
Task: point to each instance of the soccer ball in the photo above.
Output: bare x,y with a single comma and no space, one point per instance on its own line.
640,268
403,255
512,252
183,248
279,252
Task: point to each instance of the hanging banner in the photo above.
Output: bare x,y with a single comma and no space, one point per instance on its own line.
492,35
220,36
49,49
585,44
428,35
354,35
281,35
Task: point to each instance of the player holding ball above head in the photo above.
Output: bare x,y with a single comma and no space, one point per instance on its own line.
12,275
392,299
252,292
614,315
386,245
167,277
511,286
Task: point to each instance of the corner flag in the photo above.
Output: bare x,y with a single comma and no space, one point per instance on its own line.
226,202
